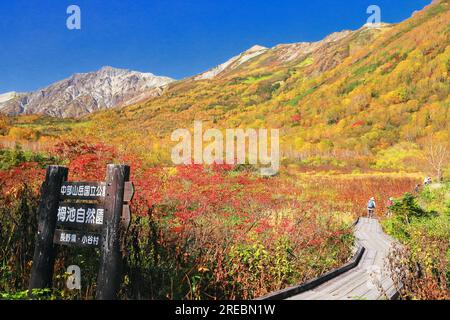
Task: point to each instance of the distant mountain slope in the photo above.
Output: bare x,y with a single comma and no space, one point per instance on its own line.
84,93
7,96
232,63
351,95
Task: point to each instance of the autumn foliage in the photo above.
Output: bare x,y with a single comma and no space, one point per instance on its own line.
208,232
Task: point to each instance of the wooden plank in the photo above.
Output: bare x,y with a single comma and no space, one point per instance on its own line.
111,258
392,291
357,288
346,288
338,282
80,216
44,250
77,238
128,192
126,216
350,277
353,283
83,190
316,282
372,293
308,295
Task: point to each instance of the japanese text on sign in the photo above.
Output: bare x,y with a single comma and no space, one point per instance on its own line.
83,190
67,237
82,215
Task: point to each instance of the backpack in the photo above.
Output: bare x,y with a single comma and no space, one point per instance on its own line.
371,204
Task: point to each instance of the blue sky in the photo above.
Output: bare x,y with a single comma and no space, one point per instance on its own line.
176,38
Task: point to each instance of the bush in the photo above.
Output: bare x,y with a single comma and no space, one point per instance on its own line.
407,208
13,158
421,266
18,225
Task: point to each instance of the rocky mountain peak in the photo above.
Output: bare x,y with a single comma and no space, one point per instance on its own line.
83,93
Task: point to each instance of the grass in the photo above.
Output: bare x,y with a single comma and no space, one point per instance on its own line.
12,158
255,79
294,102
350,87
366,69
53,127
307,62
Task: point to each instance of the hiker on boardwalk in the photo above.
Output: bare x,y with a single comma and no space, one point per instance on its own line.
389,204
427,181
371,207
417,189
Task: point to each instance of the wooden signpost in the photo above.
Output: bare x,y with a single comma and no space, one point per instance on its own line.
84,214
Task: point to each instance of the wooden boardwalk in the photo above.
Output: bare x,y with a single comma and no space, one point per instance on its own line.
365,280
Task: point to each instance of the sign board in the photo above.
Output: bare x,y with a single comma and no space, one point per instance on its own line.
76,238
83,190
83,214
80,216
89,215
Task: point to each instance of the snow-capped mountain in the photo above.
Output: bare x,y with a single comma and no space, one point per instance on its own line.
84,93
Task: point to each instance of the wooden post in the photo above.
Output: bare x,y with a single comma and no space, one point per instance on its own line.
110,272
44,250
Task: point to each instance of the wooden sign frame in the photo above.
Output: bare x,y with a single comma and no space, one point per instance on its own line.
106,231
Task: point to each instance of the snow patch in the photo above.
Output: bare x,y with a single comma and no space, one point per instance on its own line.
7,96
233,63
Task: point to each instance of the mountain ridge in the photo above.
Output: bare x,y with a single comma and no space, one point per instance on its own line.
79,105
83,93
